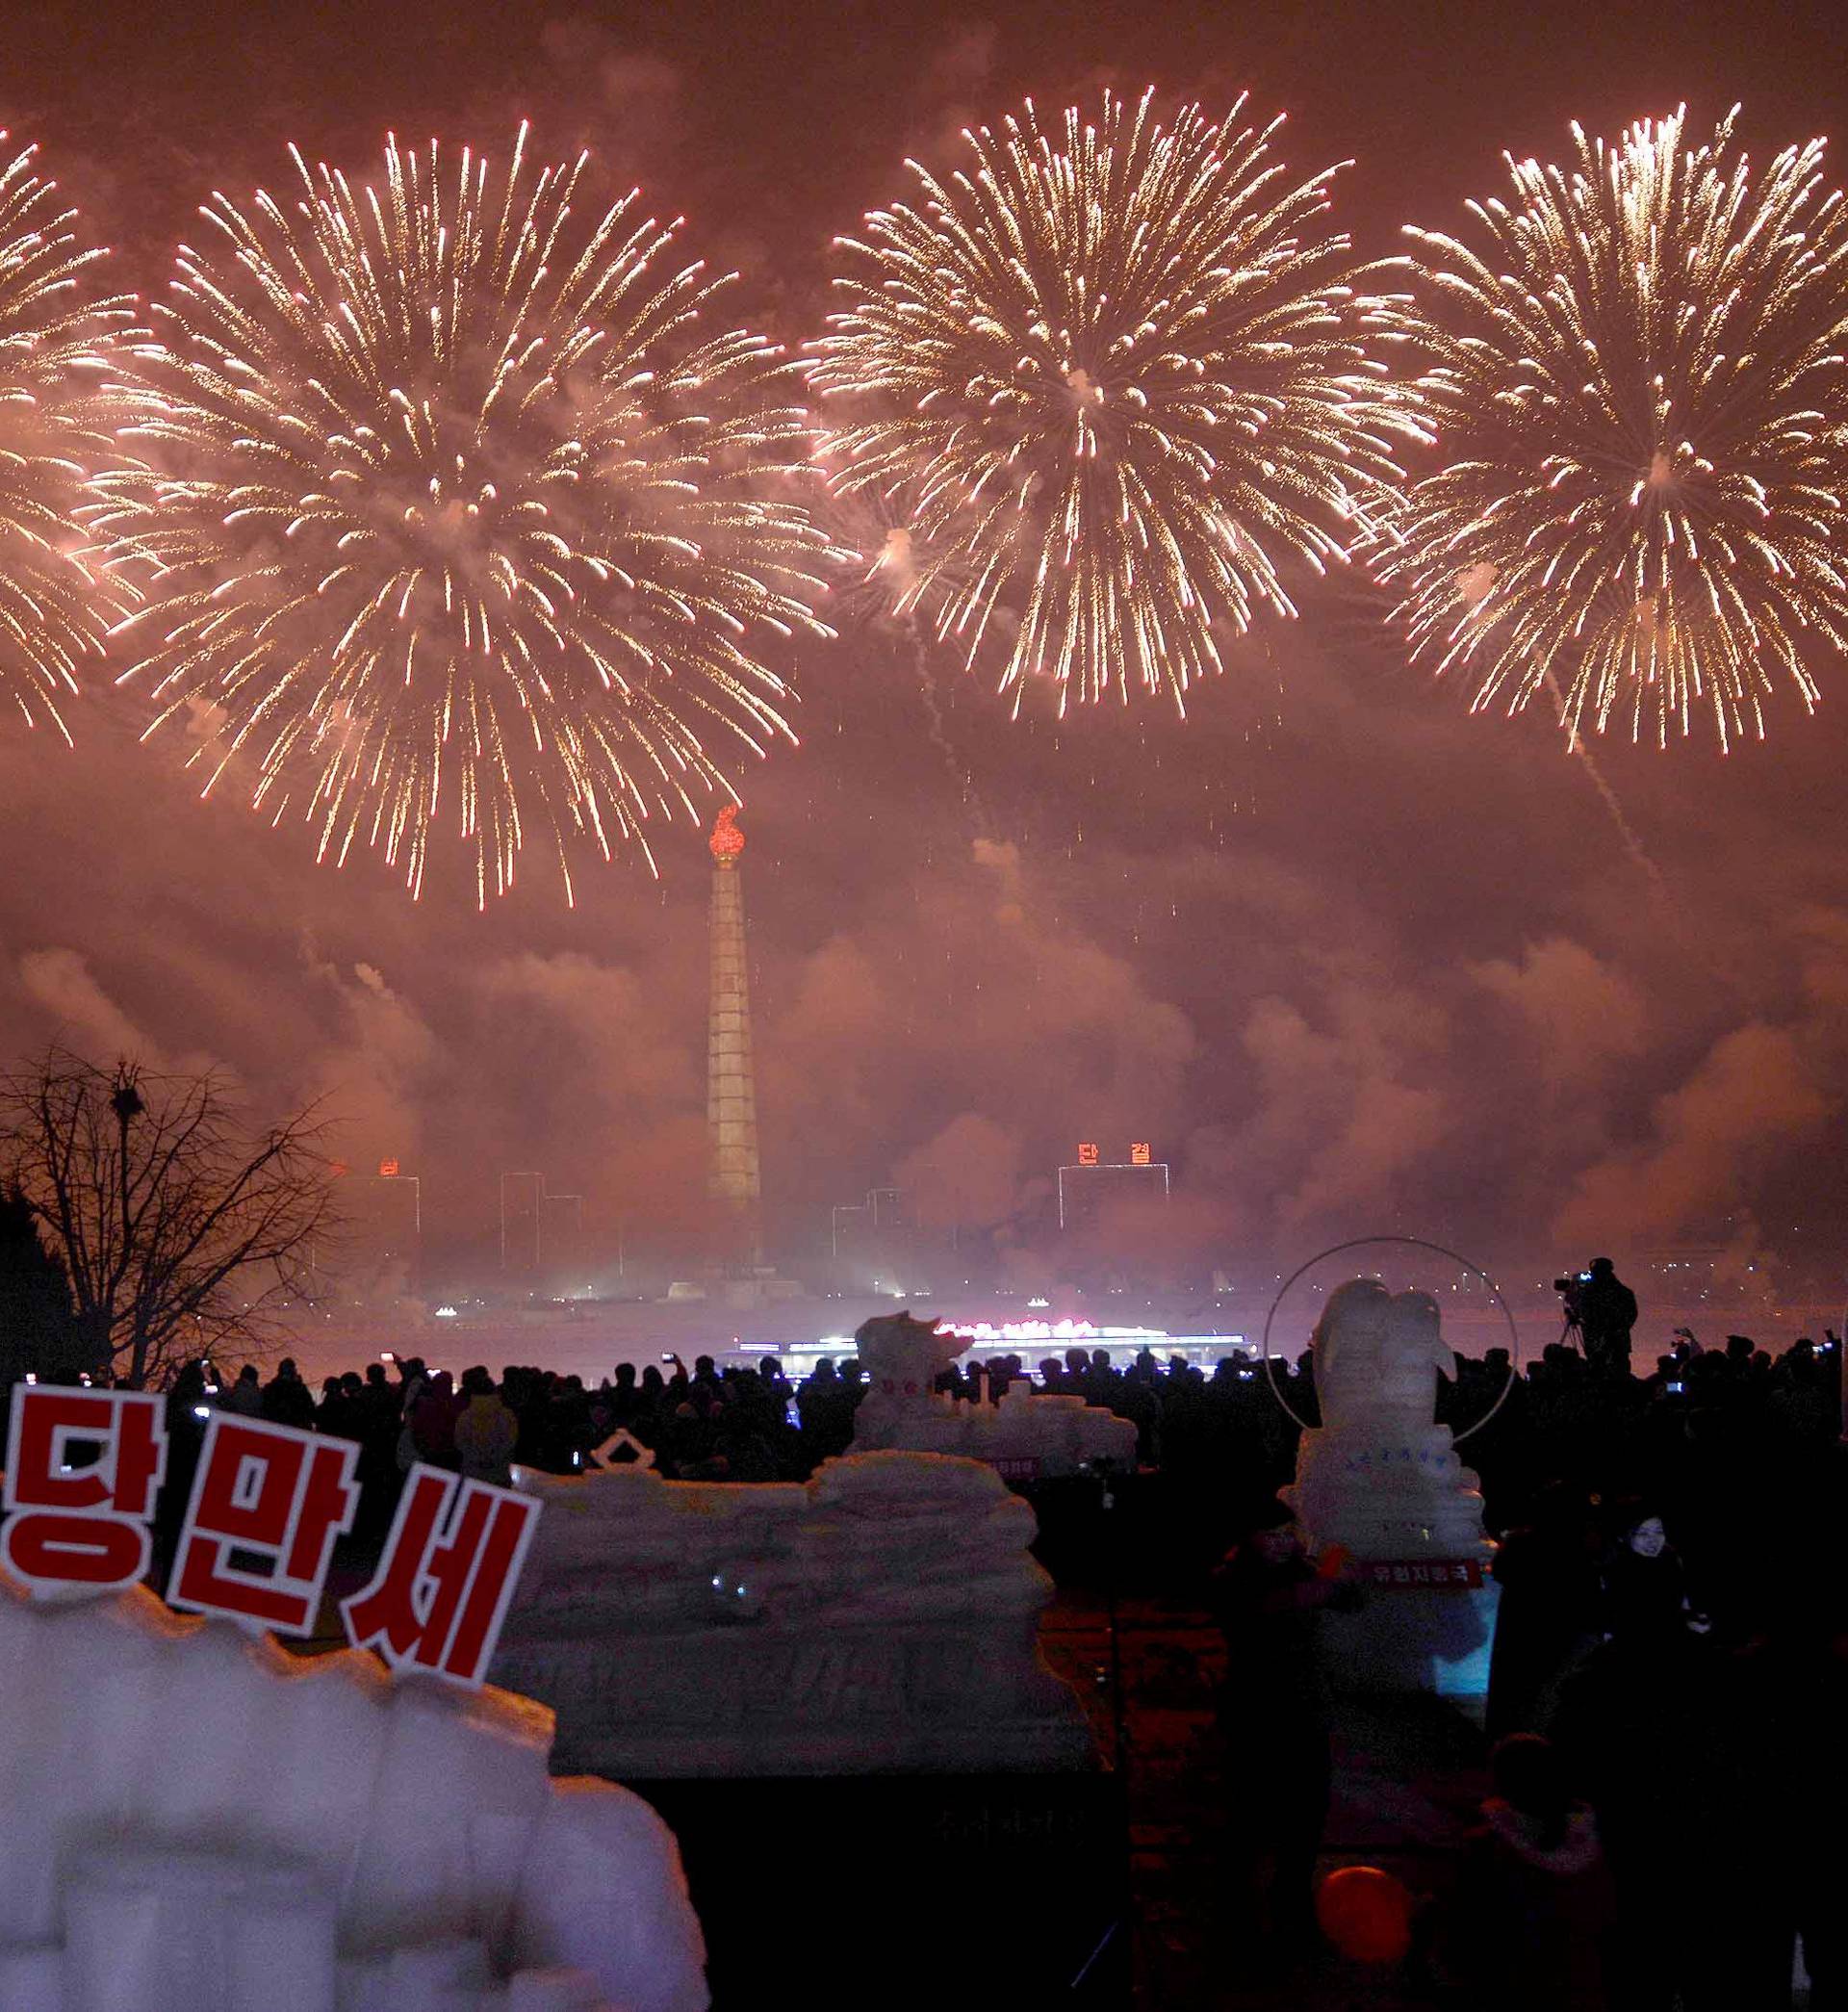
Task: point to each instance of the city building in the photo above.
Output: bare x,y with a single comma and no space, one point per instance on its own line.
562,1244
376,1252
875,1242
522,1201
1093,1188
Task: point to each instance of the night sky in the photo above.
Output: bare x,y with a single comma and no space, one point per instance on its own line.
1352,959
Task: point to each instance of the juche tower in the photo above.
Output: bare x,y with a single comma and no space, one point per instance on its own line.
733,1182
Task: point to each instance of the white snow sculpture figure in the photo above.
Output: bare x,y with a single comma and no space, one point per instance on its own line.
1412,1346
1380,1477
903,1358
1033,1434
195,1820
1349,1342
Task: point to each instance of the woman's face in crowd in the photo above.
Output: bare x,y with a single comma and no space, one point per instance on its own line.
1648,1539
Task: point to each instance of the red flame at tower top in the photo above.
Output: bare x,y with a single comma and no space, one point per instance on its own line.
727,841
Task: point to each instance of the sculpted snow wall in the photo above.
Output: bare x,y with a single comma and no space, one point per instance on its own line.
882,1616
196,1818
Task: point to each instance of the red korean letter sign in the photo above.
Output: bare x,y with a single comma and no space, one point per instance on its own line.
447,1579
267,1505
83,1526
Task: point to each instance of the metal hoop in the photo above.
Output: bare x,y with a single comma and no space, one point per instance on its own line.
1418,1243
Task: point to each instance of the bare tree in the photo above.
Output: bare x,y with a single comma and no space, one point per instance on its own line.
183,1232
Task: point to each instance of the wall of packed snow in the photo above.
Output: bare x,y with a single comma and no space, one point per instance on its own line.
882,1616
195,1818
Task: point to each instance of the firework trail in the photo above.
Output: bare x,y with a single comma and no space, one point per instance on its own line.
961,780
1626,831
1113,383
1636,377
878,591
449,499
56,341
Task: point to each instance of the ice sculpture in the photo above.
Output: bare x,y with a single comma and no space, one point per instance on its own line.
1381,1478
1029,1435
882,1616
197,1818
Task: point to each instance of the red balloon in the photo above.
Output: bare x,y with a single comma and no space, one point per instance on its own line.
1367,1914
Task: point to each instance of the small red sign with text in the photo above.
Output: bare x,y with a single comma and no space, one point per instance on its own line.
1425,1575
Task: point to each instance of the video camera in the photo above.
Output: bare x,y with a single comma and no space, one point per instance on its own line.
1571,1289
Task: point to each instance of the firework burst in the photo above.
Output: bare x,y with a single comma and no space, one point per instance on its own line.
1636,378
55,339
446,498
1112,383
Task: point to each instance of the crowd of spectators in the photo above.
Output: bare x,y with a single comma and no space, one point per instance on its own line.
703,1424
1670,1662
1669,1811
1212,1441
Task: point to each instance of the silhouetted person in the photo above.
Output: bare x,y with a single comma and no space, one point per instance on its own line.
1551,1610
825,1404
1267,1599
1607,1310
246,1396
342,1411
287,1400
187,1411
1792,1812
624,1400
1535,1911
1644,1722
383,1399
429,1425
485,1431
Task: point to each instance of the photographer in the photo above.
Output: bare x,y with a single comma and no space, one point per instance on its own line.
1604,1309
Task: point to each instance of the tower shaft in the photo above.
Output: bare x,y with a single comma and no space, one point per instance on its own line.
733,1180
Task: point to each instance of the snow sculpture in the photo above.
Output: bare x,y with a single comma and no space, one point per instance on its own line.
882,1616
1027,1435
197,1819
1382,1480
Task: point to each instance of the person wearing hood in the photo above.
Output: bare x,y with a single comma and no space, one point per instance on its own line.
486,1432
287,1400
1534,1915
429,1425
246,1396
